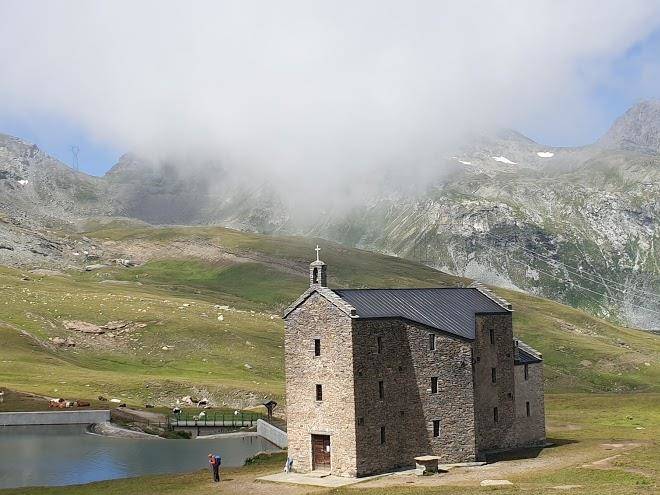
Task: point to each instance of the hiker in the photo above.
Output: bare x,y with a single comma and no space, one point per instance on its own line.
215,461
288,464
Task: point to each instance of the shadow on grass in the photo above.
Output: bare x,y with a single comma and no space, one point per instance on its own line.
527,453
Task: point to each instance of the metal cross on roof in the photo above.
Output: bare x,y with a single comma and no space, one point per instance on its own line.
317,252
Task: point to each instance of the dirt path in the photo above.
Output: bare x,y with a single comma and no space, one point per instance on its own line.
551,459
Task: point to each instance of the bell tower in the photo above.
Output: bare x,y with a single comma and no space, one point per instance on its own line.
318,271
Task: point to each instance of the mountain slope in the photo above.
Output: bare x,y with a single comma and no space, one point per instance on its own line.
189,276
579,225
637,129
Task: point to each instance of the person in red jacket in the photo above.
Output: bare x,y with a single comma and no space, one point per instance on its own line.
215,461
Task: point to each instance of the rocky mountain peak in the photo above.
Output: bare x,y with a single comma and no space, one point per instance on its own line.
637,129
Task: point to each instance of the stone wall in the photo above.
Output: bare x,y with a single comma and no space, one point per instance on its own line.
54,417
317,318
272,433
352,413
491,435
529,430
405,365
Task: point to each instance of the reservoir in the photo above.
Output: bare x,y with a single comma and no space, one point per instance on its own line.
68,455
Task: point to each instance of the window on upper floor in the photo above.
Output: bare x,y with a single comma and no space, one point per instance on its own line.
431,342
381,390
319,392
436,428
382,435
434,384
491,333
526,372
527,409
360,421
379,344
496,417
317,347
493,375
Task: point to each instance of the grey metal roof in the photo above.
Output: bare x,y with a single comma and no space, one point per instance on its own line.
525,354
448,309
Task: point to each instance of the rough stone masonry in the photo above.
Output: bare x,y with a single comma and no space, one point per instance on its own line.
377,377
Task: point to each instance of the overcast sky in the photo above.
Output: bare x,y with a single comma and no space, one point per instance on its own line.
312,87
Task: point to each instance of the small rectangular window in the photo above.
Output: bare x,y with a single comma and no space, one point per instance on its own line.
319,393
495,415
527,410
526,372
436,428
360,421
492,336
379,342
317,347
431,342
434,384
493,375
382,435
381,390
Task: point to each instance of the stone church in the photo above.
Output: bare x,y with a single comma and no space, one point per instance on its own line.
377,377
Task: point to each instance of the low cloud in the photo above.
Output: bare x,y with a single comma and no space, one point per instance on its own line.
330,94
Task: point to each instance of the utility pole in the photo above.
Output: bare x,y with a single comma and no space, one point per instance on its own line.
74,151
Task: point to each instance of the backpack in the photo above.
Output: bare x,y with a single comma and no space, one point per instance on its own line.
218,460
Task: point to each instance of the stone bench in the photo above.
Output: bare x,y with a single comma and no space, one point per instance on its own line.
427,463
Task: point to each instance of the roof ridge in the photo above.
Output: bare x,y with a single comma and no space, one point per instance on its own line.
491,295
328,294
400,288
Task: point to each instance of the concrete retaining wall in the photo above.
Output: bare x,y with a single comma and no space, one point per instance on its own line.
272,434
53,418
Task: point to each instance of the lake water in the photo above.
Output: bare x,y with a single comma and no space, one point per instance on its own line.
67,455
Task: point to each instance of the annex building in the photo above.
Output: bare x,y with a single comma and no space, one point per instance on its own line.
377,377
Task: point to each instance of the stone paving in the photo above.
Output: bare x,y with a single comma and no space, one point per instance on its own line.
317,479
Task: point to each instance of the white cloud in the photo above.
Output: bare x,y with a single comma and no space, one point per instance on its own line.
306,89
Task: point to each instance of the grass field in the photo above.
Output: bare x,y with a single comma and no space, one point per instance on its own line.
204,304
190,277
586,429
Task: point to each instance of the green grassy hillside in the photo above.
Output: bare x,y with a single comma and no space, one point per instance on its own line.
204,306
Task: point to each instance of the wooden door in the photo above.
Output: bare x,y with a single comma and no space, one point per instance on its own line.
321,452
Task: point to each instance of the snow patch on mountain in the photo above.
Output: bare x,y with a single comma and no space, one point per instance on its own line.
503,159
545,154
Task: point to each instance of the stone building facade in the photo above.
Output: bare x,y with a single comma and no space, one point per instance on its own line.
377,377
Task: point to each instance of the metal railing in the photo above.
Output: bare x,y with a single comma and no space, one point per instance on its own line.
227,419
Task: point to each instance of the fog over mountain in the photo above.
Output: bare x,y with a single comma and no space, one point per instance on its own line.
380,124
300,93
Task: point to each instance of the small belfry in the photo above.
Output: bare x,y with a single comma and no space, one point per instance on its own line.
318,271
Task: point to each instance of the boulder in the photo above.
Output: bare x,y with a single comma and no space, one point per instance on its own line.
83,327
115,325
